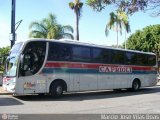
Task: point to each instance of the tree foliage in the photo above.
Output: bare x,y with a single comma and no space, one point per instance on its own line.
147,40
154,6
3,54
129,6
50,29
99,5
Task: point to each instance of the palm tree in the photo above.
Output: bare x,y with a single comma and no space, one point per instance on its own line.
66,32
50,29
117,21
77,7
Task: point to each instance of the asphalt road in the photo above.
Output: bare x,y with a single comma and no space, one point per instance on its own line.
146,100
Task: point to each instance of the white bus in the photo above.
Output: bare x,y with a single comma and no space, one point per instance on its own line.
39,66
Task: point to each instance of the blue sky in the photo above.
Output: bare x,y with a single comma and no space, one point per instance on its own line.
92,23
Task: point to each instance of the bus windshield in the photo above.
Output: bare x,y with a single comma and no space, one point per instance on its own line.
11,66
12,61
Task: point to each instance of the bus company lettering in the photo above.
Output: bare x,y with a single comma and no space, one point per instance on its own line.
118,69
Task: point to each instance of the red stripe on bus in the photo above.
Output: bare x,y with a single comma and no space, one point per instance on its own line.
92,65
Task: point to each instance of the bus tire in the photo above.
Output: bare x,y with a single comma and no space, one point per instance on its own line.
136,85
56,89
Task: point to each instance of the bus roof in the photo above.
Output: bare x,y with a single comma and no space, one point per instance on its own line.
84,44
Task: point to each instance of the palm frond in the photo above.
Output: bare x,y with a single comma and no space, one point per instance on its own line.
33,24
68,35
50,21
112,20
38,26
68,28
71,5
37,34
127,27
106,31
80,5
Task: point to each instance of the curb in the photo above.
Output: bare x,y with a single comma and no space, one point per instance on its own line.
5,93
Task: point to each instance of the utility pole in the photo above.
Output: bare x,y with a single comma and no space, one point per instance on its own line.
13,34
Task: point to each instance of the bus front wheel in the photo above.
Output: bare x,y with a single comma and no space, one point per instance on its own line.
136,85
56,89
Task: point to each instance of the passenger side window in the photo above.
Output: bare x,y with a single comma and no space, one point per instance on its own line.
117,57
101,55
151,60
59,52
142,59
131,58
81,53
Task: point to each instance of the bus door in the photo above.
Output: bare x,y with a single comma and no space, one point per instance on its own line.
32,60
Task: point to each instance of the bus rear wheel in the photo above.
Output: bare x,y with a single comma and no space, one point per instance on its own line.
56,89
135,85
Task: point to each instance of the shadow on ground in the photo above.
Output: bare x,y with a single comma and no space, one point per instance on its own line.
80,96
8,101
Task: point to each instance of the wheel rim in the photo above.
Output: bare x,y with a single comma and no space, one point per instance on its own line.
59,90
136,85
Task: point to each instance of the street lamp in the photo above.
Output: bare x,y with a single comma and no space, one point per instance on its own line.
13,34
